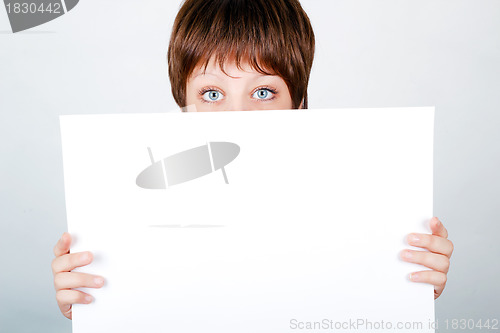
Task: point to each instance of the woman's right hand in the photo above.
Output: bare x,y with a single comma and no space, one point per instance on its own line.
65,280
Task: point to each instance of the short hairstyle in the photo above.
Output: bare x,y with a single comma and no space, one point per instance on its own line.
274,36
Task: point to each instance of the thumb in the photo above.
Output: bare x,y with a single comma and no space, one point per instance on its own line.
63,245
438,228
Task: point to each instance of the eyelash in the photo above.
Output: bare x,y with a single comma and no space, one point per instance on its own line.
274,91
207,89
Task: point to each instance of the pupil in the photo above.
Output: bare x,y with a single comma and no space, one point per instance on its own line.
214,95
263,93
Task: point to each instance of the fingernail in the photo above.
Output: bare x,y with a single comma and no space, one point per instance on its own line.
412,238
89,299
99,281
414,276
407,254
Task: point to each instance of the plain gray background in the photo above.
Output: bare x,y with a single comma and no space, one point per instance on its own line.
110,57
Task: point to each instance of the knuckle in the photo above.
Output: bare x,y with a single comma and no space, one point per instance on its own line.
431,242
53,265
57,281
60,297
447,265
444,279
424,240
76,297
426,258
73,260
452,247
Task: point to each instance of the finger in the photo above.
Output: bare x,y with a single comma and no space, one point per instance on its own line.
432,243
68,280
437,262
66,310
68,262
438,291
62,246
65,298
438,228
437,279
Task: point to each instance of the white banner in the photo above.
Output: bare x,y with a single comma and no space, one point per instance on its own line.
250,221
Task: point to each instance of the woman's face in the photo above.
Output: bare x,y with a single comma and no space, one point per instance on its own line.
241,90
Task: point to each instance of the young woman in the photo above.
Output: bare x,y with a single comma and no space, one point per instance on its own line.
242,55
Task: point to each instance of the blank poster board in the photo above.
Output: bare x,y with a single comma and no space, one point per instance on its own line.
250,221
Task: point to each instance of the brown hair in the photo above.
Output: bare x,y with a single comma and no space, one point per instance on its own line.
274,36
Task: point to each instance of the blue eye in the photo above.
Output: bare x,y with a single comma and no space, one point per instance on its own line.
212,96
263,94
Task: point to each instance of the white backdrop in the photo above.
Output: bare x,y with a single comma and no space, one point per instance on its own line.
110,57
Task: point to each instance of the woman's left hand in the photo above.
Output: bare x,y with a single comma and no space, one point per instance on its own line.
438,258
